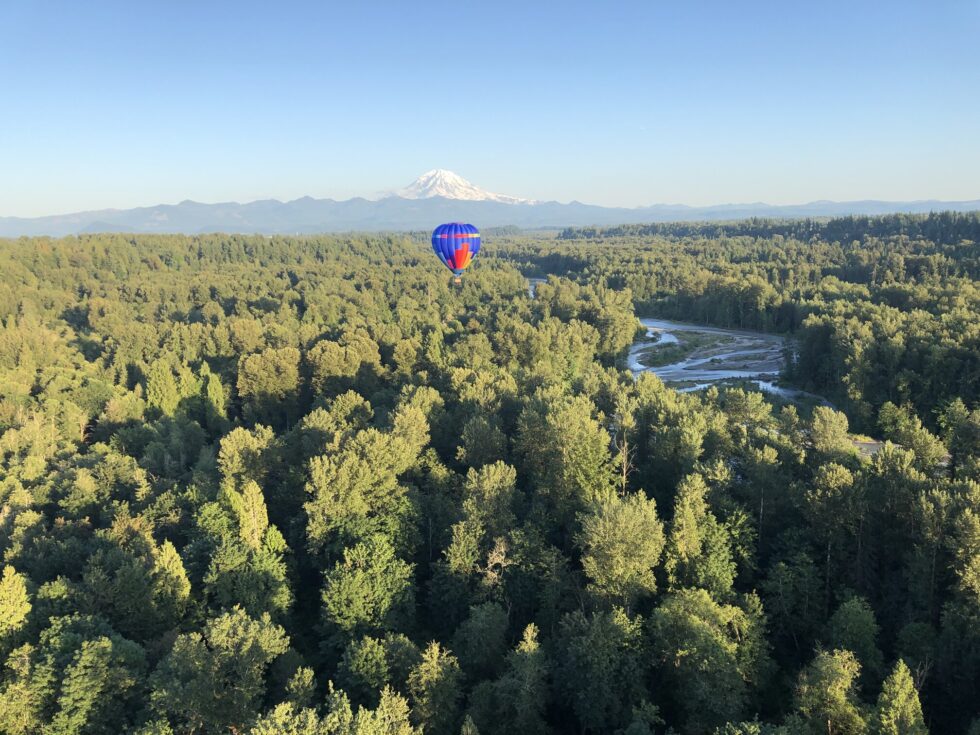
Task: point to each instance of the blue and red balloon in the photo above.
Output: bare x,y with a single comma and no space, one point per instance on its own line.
456,244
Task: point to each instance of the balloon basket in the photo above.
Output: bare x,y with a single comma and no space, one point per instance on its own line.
457,280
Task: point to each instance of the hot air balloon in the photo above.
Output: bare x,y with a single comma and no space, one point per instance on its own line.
456,244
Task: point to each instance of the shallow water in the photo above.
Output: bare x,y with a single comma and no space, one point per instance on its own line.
740,355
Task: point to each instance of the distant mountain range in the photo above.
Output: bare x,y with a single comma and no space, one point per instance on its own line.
436,196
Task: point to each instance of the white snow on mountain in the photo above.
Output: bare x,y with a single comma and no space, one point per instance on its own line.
442,183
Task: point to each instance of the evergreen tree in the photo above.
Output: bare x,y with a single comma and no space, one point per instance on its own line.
898,711
81,677
698,552
364,670
903,427
853,628
566,455
161,387
171,587
834,507
489,497
828,433
435,685
523,691
481,640
253,518
287,719
269,385
215,402
826,697
15,602
94,687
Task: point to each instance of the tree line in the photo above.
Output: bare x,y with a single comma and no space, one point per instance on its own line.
938,227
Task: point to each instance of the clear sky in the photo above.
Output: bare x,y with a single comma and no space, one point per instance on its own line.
121,104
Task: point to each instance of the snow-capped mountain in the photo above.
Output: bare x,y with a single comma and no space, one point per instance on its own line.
442,183
435,196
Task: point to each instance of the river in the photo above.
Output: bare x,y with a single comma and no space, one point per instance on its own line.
709,355
698,356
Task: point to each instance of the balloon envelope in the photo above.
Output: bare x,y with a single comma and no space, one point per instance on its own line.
456,244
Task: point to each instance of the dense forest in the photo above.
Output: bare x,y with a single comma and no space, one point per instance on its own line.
305,485
885,309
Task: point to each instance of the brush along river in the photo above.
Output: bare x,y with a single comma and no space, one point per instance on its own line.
689,357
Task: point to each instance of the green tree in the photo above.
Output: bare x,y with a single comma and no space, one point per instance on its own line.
370,664
269,386
301,687
355,492
566,455
711,656
646,719
215,402
389,718
333,367
621,542
835,508
92,696
903,427
698,551
853,628
602,660
246,455
369,591
214,679
286,719
489,497
898,711
828,433
26,688
435,685
482,442
253,518
826,699
364,669
523,690
171,587
793,594
15,602
81,676
161,387
961,434
255,579
140,587
481,640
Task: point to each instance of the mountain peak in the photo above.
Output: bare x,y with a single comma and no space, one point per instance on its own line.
440,182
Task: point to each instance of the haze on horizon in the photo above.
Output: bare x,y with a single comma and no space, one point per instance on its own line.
117,105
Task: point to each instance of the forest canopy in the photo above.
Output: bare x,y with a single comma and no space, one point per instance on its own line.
305,485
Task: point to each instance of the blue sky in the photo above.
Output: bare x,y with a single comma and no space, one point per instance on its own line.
110,104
